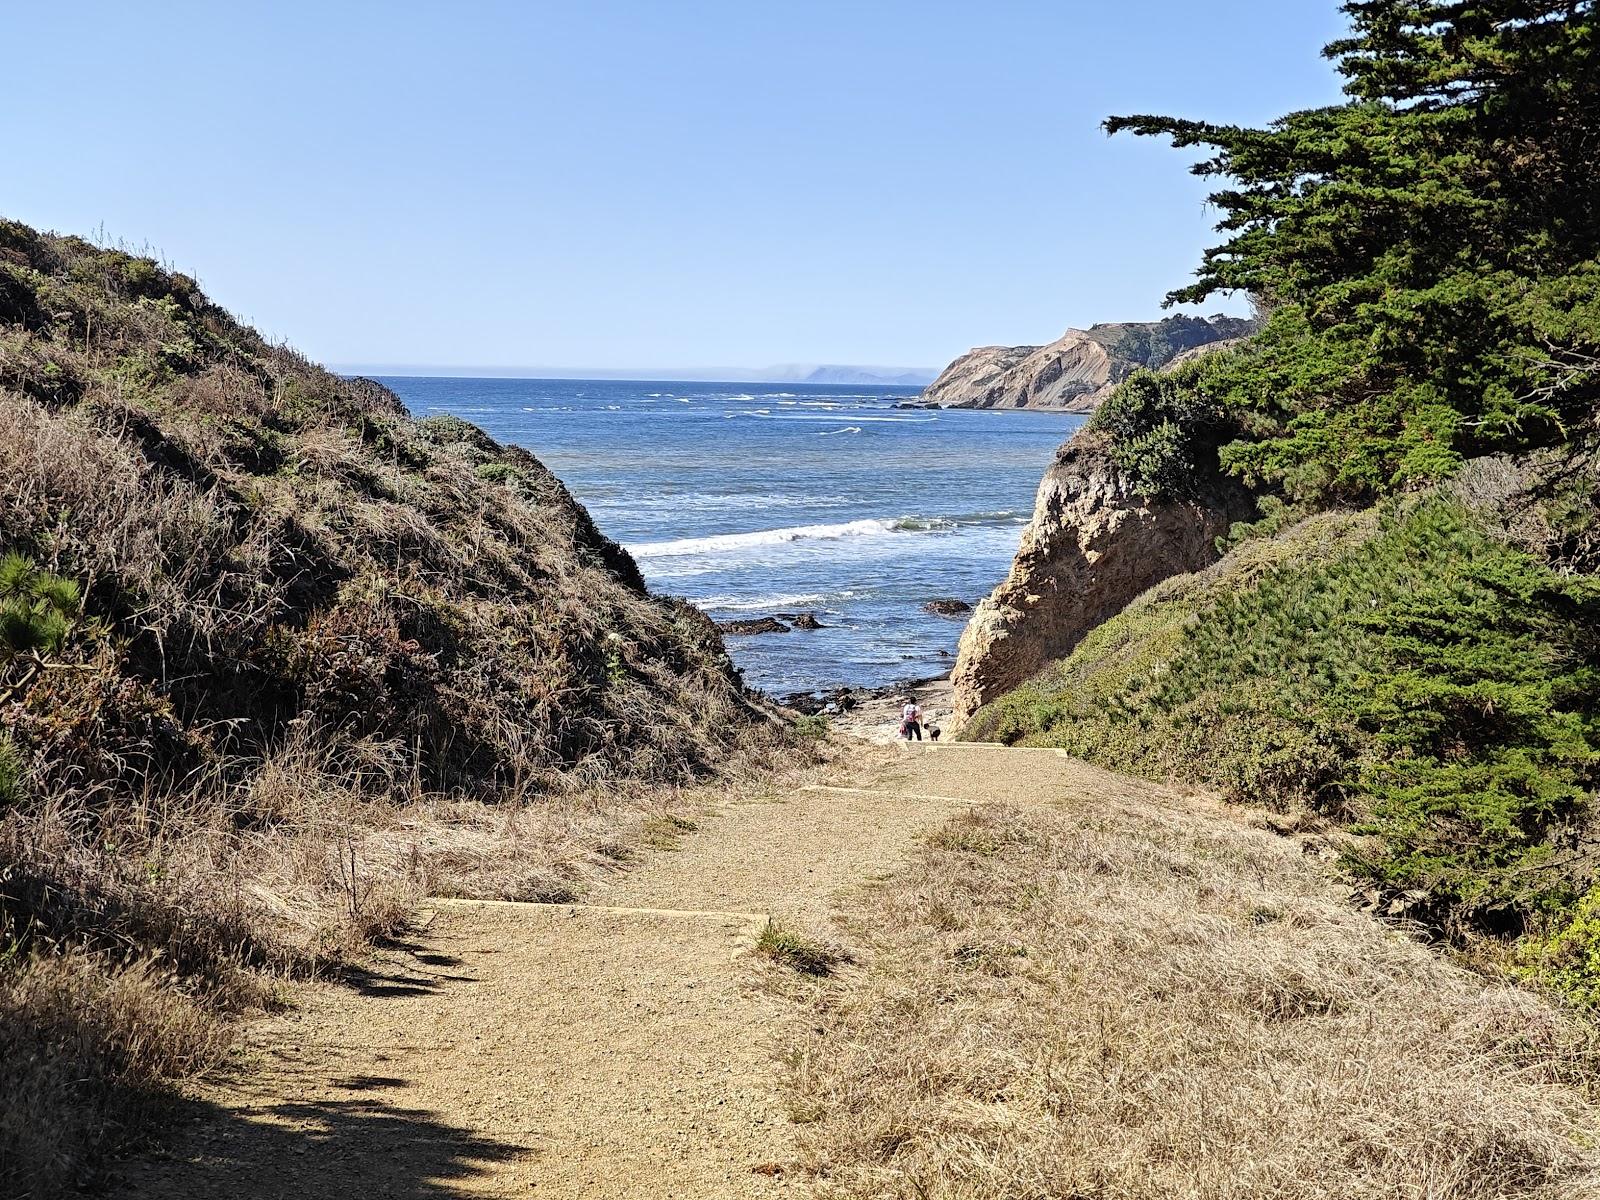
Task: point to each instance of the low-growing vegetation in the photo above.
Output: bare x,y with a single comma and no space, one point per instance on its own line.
275,661
798,951
1141,998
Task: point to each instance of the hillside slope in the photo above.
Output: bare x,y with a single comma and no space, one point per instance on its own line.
248,612
1430,360
268,552
1411,672
1078,370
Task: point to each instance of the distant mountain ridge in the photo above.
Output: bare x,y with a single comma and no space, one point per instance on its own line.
887,376
1078,370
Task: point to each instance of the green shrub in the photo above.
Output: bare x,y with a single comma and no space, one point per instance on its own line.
1164,429
814,727
497,472
36,608
1567,960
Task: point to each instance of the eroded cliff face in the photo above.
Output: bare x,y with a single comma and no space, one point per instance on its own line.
1093,545
1081,368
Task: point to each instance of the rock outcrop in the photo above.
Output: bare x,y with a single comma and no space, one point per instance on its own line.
747,628
1093,545
1081,368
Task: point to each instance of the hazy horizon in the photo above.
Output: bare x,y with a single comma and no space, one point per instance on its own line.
770,374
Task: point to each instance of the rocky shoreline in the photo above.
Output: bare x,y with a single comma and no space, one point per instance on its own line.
833,701
785,622
874,713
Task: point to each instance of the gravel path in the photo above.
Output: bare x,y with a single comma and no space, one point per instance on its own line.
620,1048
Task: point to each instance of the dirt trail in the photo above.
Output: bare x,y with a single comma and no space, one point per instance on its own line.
618,1048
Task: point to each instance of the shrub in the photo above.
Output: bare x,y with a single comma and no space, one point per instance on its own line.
36,608
1567,959
814,727
496,472
1164,428
798,952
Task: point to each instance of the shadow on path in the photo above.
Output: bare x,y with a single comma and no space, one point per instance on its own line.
352,1149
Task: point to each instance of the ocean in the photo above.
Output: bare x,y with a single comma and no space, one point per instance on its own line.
756,499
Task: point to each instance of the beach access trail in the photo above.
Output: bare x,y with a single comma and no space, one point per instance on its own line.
617,1047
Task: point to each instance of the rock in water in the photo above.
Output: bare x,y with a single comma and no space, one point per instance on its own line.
758,625
950,607
808,620
1093,545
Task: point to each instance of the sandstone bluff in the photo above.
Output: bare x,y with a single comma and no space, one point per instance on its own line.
1076,372
1095,542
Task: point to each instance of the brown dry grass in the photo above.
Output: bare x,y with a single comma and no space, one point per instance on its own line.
128,947
1143,1001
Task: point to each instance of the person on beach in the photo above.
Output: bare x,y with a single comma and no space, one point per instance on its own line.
911,721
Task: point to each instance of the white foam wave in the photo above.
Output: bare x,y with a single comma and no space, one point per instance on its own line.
787,416
761,537
731,603
846,429
724,543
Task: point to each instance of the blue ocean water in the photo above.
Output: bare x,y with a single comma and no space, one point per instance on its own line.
752,499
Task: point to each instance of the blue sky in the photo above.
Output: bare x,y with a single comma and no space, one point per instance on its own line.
628,183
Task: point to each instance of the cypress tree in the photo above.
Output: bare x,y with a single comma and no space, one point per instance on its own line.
1429,249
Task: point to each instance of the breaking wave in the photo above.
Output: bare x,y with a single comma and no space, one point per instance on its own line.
875,527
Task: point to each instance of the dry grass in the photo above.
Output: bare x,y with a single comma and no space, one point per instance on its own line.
108,1037
129,946
1144,1000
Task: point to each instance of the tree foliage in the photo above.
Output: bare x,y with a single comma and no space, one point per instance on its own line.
1429,250
1165,428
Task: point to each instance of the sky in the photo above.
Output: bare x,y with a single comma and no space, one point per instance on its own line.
623,184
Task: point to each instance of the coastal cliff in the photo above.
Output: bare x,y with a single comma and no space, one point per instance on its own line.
1095,542
1080,369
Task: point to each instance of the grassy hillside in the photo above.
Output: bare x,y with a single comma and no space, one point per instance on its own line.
1404,671
268,649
